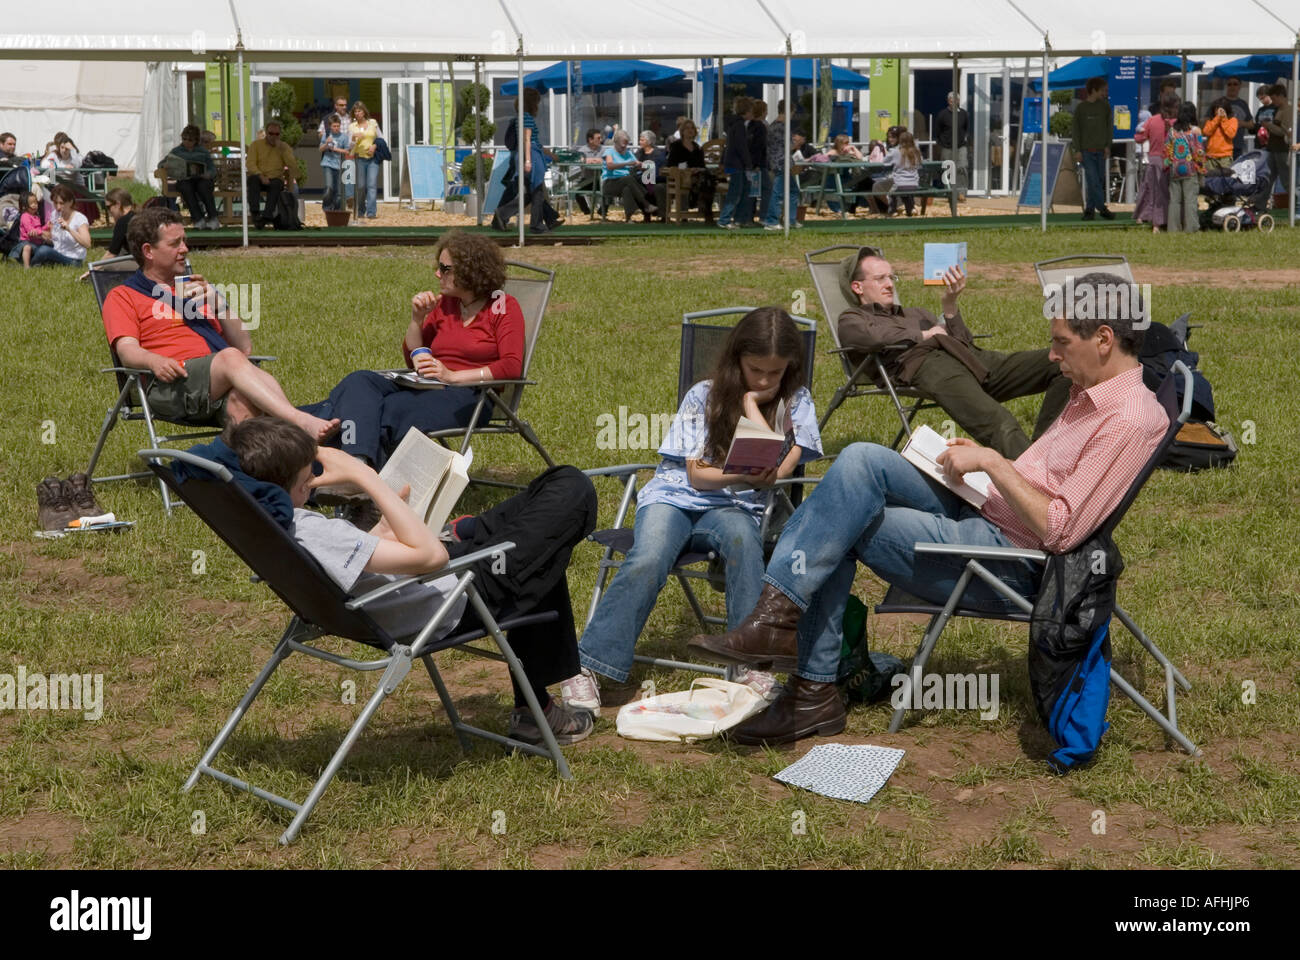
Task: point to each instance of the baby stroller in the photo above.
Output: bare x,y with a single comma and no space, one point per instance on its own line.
1237,200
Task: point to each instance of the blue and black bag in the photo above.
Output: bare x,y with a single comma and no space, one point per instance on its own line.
1069,648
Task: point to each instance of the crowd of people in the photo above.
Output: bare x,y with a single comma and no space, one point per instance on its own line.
1182,148
1097,425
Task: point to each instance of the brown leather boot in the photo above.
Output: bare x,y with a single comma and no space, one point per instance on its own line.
54,510
766,639
804,709
77,488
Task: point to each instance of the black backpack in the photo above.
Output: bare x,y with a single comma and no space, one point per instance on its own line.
1201,443
286,212
10,238
98,159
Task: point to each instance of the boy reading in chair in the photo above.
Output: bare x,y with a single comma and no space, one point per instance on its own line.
556,511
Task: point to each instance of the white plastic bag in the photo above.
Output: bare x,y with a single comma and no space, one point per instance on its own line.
709,707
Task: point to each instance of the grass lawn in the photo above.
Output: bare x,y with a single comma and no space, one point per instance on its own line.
1212,564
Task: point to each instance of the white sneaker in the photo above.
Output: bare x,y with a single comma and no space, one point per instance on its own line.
214,223
772,226
582,691
763,684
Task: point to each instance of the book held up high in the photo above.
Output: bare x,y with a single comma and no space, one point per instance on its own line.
437,476
922,451
938,258
756,447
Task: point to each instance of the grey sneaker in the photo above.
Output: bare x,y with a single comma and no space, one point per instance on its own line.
54,511
569,725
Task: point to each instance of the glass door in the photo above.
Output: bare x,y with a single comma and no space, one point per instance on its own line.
406,121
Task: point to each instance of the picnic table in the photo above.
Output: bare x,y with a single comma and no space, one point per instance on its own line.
831,183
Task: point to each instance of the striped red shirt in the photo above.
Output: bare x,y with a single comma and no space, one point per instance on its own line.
1085,461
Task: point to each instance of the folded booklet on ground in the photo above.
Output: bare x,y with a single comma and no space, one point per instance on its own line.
843,771
409,378
437,476
756,447
922,451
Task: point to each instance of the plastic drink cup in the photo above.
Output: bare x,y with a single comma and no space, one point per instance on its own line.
417,355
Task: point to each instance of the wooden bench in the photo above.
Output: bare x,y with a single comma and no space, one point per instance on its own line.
226,185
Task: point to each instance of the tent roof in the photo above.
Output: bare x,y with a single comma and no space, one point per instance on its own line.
772,70
1080,71
581,29
597,75
1257,68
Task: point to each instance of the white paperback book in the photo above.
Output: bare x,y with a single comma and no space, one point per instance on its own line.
922,451
437,476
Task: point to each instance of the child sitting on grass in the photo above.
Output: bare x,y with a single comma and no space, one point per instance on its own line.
556,511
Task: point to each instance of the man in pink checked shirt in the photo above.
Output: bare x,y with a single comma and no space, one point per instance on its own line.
873,506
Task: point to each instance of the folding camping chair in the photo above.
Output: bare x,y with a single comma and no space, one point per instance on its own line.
132,398
500,398
1058,269
700,346
899,601
867,378
321,608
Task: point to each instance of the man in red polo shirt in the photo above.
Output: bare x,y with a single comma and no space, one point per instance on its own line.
198,354
874,506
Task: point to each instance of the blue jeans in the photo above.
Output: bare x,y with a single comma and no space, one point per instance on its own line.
368,180
873,506
333,180
737,196
662,533
47,254
1094,179
773,217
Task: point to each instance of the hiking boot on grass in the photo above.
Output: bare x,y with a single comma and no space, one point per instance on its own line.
54,511
77,488
568,724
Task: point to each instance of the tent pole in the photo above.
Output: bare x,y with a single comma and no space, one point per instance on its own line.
478,150
1020,134
956,115
717,111
785,133
1295,82
520,171
243,162
1046,102
568,100
1183,82
816,117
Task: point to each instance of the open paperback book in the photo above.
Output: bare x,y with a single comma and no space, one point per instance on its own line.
922,451
437,476
756,447
409,378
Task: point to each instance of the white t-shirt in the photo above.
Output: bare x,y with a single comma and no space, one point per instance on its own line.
64,242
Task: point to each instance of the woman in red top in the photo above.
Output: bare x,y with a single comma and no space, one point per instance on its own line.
475,334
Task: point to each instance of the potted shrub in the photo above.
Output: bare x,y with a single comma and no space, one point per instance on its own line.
474,99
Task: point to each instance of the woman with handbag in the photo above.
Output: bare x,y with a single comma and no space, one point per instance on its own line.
363,132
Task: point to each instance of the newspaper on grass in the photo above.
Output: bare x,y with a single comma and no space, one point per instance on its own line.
843,771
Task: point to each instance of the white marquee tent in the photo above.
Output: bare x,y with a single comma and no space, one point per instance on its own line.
150,30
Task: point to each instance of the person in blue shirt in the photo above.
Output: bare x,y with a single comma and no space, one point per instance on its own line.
617,181
691,503
333,148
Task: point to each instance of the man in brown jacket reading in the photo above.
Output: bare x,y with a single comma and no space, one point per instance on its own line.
940,358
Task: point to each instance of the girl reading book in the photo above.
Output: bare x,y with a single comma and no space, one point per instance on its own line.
690,503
